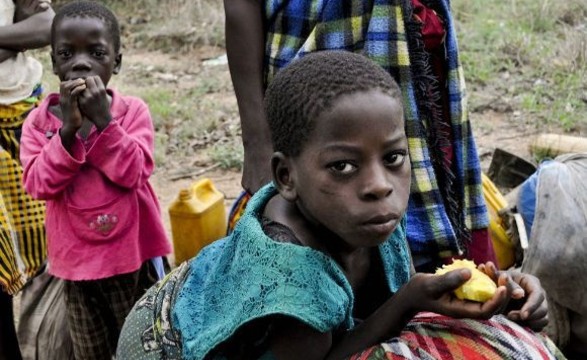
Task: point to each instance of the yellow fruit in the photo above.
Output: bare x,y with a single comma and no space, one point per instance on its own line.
479,288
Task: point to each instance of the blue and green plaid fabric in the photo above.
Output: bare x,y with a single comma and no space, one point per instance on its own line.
377,29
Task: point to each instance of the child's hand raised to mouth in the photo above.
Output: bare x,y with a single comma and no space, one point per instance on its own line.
69,92
94,102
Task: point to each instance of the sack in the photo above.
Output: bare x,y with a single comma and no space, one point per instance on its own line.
558,247
43,331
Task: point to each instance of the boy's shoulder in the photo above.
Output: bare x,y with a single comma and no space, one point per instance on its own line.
127,106
129,101
41,117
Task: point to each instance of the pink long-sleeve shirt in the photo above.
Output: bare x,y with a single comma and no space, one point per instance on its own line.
103,217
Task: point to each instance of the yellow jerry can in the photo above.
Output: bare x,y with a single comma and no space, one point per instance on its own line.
198,217
504,249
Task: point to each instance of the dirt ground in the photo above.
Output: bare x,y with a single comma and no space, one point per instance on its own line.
492,127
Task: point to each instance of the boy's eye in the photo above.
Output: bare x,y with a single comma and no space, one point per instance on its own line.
395,159
99,53
64,53
342,167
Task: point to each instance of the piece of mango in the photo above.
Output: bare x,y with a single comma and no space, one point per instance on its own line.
478,288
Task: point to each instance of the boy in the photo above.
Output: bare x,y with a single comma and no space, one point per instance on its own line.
415,42
318,267
88,151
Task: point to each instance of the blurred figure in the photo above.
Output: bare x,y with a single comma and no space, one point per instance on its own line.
23,25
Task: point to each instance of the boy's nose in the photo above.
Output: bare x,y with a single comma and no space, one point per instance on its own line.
377,184
81,64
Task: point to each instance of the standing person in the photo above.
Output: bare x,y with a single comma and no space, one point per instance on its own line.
415,42
319,267
88,151
23,25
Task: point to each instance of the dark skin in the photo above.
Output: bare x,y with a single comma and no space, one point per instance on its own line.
356,161
85,59
31,27
245,41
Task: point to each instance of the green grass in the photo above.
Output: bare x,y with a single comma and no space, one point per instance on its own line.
229,155
538,46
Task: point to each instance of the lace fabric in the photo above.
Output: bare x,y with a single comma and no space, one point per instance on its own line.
248,275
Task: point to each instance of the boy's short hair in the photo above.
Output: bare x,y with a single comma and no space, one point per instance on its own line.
309,86
90,9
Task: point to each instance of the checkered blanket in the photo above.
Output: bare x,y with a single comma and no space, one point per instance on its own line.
384,31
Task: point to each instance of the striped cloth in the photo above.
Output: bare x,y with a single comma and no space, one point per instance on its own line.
431,337
22,236
386,32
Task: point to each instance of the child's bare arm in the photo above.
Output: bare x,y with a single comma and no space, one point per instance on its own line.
245,49
27,8
31,32
6,54
422,293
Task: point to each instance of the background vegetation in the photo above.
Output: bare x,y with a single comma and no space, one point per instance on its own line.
524,59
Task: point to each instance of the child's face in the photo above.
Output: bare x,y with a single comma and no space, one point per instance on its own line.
83,47
353,174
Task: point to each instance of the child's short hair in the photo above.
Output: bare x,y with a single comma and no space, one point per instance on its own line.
309,86
90,9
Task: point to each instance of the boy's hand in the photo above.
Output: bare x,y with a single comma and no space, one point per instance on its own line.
94,103
69,92
435,293
526,297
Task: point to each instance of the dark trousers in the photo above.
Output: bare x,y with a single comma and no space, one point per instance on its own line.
96,310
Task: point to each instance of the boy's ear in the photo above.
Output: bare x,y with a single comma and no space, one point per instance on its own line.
284,176
53,63
117,64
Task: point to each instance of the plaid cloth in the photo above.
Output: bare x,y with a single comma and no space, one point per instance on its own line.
96,310
431,336
379,30
22,236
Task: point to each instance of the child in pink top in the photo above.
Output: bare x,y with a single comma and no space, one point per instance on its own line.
88,152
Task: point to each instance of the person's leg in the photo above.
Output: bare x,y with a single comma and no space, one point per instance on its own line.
123,291
9,349
87,316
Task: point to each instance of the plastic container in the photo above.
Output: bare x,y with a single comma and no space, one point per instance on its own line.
198,217
502,245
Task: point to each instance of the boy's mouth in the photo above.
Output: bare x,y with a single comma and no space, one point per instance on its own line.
381,224
381,219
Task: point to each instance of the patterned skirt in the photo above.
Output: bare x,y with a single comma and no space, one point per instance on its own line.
23,246
431,337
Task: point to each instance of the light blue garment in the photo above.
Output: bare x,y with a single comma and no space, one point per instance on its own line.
248,275
527,197
157,263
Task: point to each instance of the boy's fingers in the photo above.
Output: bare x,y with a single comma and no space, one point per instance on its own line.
70,84
515,291
534,301
475,310
78,90
450,281
536,321
496,302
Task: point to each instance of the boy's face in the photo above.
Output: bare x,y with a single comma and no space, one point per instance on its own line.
353,174
83,47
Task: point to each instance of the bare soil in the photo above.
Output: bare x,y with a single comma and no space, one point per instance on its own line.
493,126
